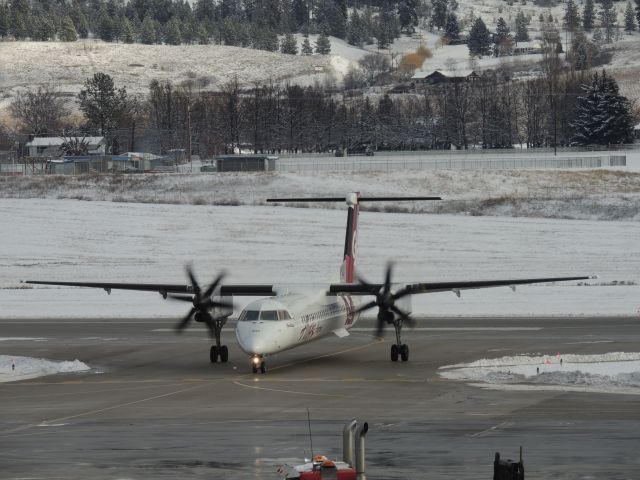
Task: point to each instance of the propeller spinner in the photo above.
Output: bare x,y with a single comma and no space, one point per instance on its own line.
385,300
202,303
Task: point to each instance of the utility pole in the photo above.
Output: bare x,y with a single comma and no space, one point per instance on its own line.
189,136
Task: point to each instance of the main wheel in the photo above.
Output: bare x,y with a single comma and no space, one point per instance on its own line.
224,354
213,354
394,353
254,368
263,367
404,352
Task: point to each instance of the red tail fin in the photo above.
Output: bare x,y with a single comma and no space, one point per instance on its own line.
347,271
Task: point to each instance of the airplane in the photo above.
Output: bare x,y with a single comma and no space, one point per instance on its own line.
290,316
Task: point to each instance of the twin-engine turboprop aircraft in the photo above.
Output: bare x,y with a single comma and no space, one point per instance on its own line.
289,317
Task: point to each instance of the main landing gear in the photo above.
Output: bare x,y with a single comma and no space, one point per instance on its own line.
217,351
257,362
399,349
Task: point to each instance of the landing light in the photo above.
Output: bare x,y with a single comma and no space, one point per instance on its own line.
256,360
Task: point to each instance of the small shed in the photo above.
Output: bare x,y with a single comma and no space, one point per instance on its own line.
445,76
527,48
50,146
246,163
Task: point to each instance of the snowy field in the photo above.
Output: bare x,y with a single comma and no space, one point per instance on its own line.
616,372
597,194
106,241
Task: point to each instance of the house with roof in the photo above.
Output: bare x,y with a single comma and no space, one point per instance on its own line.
445,76
50,146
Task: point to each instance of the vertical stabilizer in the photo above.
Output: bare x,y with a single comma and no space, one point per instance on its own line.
347,270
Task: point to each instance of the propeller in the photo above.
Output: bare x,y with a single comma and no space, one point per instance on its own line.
385,300
202,303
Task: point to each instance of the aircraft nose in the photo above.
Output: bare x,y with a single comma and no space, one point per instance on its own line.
250,339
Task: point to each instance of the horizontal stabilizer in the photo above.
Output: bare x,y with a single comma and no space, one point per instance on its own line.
342,199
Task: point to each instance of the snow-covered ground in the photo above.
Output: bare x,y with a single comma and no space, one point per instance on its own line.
105,241
616,372
14,368
598,194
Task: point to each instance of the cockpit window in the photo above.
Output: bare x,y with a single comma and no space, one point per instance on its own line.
250,315
284,315
269,315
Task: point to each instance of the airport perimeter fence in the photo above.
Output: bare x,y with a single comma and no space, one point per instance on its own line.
386,163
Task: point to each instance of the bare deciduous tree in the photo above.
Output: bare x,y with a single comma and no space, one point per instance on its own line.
39,110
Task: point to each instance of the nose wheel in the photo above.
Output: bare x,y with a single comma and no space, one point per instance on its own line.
257,363
221,352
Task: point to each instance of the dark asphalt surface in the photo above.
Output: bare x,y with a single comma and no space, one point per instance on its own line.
154,407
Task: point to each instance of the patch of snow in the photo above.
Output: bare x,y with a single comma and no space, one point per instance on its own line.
14,368
604,372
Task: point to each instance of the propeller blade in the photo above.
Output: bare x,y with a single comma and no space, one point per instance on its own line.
380,329
366,306
182,298
183,323
214,285
387,279
194,282
368,285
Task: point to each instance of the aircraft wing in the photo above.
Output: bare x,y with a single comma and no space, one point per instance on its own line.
163,288
431,287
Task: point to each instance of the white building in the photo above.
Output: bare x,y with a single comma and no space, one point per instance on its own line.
50,146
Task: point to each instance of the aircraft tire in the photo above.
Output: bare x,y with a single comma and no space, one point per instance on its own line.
404,352
254,368
263,367
224,354
213,354
394,353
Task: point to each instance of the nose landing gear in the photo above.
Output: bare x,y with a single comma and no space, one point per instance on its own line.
257,362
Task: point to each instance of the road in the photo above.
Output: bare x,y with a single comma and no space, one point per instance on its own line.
152,406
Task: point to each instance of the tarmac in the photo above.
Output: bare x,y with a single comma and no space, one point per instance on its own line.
154,407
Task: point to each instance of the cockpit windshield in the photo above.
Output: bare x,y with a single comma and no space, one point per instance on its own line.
266,315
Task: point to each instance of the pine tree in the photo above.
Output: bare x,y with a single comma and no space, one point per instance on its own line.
148,34
582,51
479,42
101,103
638,12
571,16
323,45
289,45
300,14
608,20
17,26
451,29
439,13
629,18
408,15
4,21
522,34
68,32
203,35
598,37
588,15
502,39
128,35
602,115
173,36
306,47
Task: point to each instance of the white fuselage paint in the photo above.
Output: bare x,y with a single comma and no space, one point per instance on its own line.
309,316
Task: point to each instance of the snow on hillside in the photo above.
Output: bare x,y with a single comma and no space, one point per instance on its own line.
67,64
